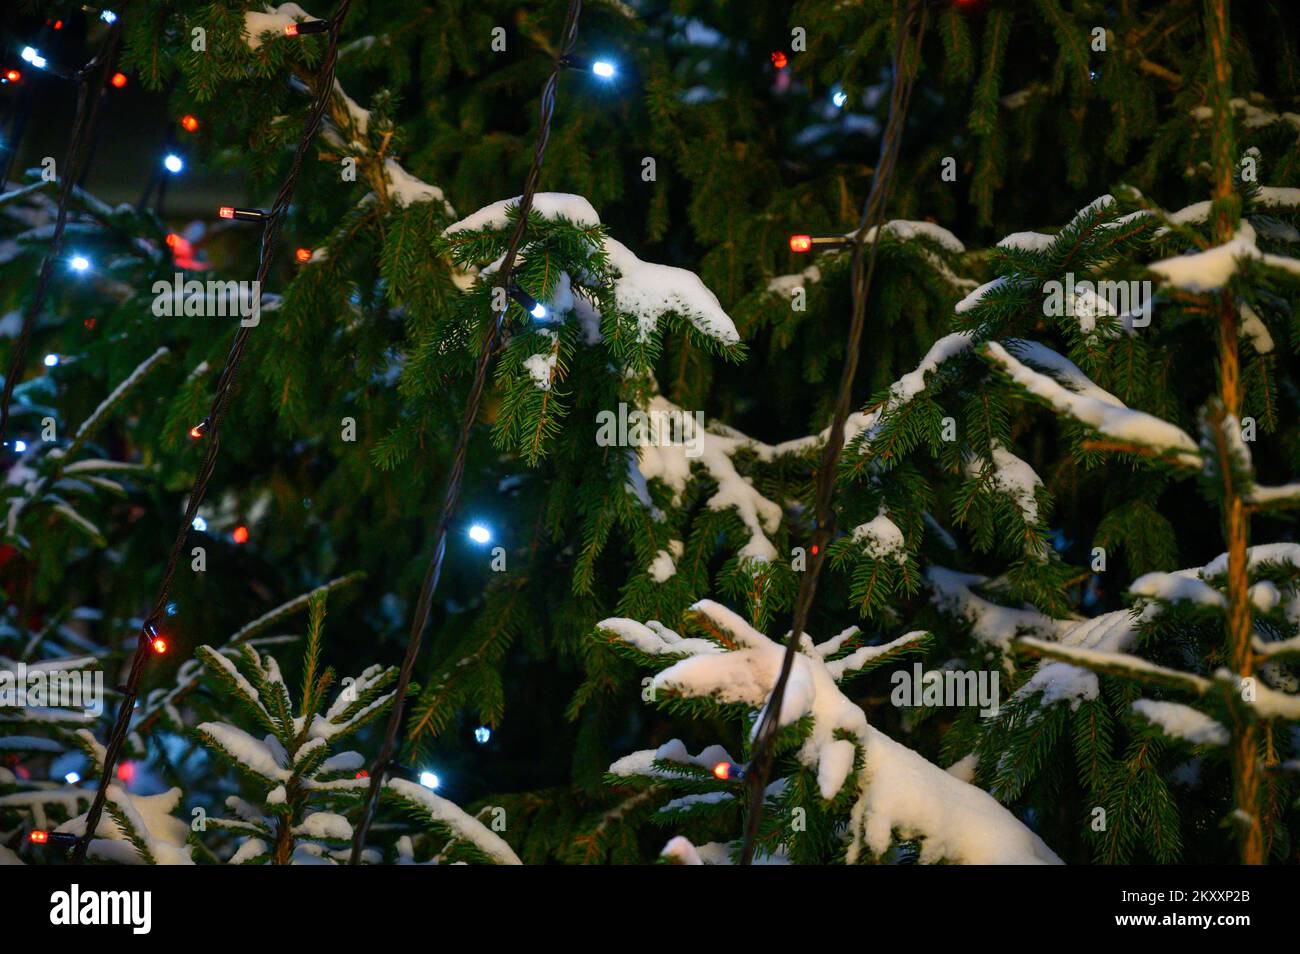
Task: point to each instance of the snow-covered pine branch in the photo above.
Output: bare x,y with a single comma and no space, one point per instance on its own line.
894,792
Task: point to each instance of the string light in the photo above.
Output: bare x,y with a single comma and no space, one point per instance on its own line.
39,836
157,642
33,56
244,215
199,429
72,778
605,69
302,256
118,80
527,302
173,163
199,524
13,76
838,97
779,59
726,771
126,772
240,534
452,491
20,446
805,243
324,83
306,27
482,734
108,16
80,263
430,781
51,360
189,123
362,774
480,534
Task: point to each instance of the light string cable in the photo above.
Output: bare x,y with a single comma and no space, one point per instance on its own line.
907,51
451,496
225,388
88,99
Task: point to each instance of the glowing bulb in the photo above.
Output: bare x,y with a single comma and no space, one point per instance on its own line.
429,780
479,533
13,76
126,771
722,771
173,162
839,98
189,123
51,360
72,778
38,62
29,54
302,256
80,263
108,16
39,837
199,524
118,80
20,446
779,59
159,645
482,734
604,69
538,310
800,243
240,535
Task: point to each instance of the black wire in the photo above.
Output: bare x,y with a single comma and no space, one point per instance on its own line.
221,399
451,497
906,51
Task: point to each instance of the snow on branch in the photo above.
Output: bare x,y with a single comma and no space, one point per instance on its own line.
898,793
1124,665
642,290
1211,269
669,457
445,814
1182,722
861,427
991,623
1110,418
107,406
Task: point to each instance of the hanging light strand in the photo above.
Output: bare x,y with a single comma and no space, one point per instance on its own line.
451,496
272,224
88,98
907,48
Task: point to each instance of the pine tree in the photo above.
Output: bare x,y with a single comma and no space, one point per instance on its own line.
644,465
